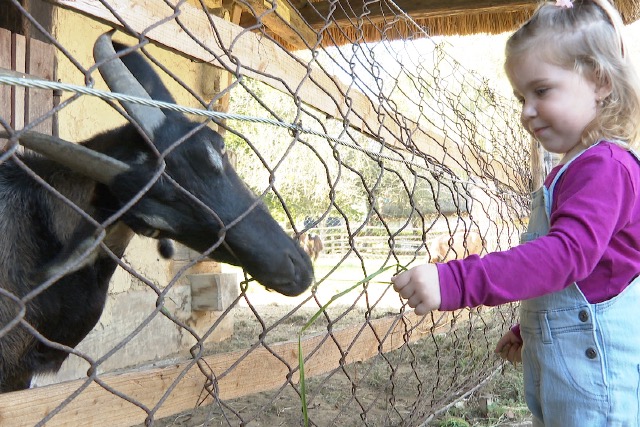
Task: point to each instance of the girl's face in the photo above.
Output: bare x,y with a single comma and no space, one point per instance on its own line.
557,103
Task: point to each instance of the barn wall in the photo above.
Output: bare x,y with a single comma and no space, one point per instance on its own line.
130,301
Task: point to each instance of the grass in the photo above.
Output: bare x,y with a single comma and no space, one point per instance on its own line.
500,402
310,322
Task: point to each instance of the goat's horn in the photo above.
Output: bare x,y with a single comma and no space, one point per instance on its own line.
120,79
76,157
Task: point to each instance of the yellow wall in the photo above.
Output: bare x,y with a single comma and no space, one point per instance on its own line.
89,115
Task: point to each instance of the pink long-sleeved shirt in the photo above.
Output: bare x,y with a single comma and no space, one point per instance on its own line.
594,240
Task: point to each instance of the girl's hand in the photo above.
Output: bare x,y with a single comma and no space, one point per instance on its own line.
420,286
510,347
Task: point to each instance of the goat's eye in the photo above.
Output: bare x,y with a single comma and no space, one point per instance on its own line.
150,232
215,157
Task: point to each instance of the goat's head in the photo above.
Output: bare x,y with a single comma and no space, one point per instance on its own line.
199,200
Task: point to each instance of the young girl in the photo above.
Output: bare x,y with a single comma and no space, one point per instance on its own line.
577,269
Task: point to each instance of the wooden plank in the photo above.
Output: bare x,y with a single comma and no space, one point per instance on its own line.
39,102
18,64
5,63
259,58
239,373
267,62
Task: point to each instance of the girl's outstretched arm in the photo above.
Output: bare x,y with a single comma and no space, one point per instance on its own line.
420,286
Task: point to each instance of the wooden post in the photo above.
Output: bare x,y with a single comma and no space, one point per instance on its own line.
18,93
542,162
40,63
213,291
537,165
216,80
27,58
5,62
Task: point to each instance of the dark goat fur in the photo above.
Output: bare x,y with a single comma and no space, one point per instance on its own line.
42,234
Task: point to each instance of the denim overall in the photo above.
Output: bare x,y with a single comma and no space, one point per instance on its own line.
581,361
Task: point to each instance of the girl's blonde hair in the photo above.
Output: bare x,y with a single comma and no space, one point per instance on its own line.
587,38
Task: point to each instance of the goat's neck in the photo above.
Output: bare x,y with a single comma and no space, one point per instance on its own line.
77,203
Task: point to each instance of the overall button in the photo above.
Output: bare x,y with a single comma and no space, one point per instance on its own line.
583,315
591,353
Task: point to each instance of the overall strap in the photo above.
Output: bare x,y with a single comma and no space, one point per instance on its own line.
635,154
549,198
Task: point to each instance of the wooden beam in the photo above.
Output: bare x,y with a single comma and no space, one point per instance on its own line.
269,63
235,11
283,21
238,374
346,12
259,58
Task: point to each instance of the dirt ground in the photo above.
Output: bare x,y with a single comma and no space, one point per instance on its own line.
403,387
398,388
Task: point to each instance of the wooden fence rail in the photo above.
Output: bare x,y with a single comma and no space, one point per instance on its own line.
375,240
257,371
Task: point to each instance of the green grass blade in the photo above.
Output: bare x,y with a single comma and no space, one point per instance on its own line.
303,387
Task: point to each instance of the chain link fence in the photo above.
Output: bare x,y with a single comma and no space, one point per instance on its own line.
385,149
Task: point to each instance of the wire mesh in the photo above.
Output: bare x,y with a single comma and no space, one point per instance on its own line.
384,153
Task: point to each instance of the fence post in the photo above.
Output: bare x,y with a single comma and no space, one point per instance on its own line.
33,59
5,63
212,292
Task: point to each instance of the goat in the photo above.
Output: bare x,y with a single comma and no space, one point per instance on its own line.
312,244
457,246
165,177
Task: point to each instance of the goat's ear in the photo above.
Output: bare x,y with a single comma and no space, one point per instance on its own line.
76,157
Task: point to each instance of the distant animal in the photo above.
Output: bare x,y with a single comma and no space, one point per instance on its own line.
457,246
312,244
165,177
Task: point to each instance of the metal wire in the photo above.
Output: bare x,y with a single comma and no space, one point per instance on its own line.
437,155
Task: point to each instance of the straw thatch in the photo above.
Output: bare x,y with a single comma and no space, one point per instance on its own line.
491,23
346,22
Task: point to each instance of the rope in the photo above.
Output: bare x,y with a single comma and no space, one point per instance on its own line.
216,115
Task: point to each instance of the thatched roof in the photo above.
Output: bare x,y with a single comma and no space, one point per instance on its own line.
352,21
